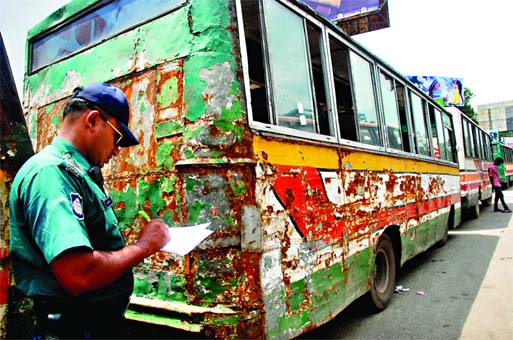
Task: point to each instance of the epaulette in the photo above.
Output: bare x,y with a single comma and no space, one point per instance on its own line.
71,166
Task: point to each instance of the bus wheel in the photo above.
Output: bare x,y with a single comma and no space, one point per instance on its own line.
383,280
487,202
475,211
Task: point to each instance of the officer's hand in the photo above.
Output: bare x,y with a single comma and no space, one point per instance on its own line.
154,235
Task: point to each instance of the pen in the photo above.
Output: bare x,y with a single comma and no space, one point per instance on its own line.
144,215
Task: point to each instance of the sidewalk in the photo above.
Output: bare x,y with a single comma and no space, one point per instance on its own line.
491,316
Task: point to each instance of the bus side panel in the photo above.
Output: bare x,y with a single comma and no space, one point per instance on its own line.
321,222
475,183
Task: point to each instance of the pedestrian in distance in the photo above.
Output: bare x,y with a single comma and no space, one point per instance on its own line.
69,257
493,172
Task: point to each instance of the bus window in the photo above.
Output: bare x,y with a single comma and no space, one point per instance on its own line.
339,61
103,22
450,138
419,125
472,149
391,111
474,140
258,88
295,99
475,144
314,38
479,141
403,114
291,79
466,138
437,132
361,73
488,147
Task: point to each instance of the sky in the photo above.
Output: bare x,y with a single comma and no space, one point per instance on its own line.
443,38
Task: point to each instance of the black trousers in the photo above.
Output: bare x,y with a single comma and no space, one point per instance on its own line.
103,321
499,196
80,320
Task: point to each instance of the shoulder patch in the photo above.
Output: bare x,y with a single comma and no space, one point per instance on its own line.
72,167
76,205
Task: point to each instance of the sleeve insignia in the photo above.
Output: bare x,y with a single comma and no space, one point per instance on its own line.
76,205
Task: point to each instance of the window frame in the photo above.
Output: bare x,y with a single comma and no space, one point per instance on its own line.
272,125
328,36
404,118
374,88
425,125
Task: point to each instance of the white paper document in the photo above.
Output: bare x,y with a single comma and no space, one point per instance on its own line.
185,239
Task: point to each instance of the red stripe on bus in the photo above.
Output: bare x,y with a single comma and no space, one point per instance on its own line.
301,192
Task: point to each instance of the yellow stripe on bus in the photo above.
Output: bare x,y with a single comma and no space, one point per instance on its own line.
325,157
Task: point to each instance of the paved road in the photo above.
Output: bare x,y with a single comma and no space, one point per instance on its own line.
491,315
466,285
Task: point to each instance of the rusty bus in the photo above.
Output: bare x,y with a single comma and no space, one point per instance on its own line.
474,149
313,160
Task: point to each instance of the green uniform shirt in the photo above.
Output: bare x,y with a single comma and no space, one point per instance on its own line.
55,206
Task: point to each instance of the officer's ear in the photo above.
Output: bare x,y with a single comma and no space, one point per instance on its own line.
92,118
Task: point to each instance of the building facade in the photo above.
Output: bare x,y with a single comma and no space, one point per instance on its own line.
497,116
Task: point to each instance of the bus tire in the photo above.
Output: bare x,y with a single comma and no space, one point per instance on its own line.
383,279
475,211
487,202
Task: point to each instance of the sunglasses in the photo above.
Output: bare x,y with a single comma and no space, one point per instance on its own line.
116,143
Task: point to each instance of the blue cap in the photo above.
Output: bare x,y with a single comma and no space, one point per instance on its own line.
113,101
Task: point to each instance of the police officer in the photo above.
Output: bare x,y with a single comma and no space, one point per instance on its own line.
68,255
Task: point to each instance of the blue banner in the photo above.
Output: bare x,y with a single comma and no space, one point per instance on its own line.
339,9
